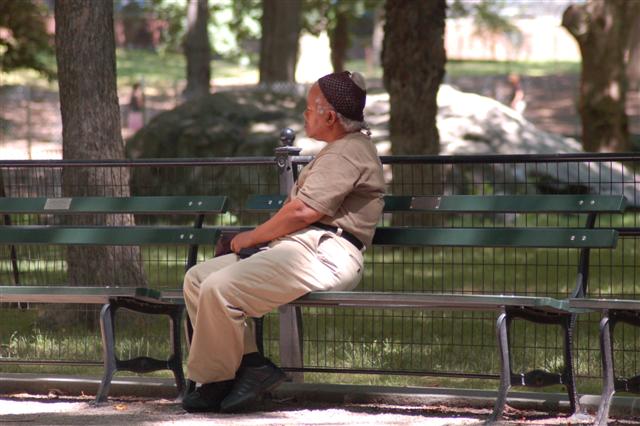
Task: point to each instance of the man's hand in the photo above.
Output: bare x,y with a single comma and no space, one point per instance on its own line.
242,240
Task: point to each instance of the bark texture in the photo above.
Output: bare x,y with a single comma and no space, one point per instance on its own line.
197,49
602,29
281,24
413,60
85,53
339,40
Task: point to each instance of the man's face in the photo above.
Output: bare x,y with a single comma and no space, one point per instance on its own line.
314,116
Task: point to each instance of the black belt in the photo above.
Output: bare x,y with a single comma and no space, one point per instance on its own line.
345,234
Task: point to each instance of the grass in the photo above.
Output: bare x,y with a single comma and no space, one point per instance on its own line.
456,68
164,71
368,338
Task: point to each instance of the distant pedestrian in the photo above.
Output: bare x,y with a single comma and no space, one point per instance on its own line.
516,94
135,115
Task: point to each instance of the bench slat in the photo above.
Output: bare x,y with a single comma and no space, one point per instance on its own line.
602,304
163,205
115,235
431,301
91,295
493,237
521,203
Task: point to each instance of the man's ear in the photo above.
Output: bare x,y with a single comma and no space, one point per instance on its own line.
332,117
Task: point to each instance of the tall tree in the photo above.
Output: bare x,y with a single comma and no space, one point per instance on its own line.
281,23
197,49
85,53
413,60
339,39
602,29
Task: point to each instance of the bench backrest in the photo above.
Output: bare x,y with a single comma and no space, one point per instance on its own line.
583,237
112,235
103,235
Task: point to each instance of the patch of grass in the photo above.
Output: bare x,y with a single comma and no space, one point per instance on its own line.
456,68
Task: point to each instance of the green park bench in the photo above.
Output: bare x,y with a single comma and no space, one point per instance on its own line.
539,309
112,298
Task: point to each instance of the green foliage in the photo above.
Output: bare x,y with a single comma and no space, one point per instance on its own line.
24,41
232,24
320,15
487,16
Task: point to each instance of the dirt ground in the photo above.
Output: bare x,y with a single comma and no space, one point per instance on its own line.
34,130
56,410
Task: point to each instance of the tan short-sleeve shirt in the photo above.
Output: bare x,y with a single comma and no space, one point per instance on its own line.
345,182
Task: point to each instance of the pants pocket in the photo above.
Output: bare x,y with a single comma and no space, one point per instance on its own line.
345,266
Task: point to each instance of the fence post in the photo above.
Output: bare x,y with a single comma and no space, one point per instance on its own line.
290,316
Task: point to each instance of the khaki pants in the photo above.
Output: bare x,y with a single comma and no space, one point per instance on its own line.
222,292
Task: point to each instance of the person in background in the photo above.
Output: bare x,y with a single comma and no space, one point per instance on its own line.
516,94
135,114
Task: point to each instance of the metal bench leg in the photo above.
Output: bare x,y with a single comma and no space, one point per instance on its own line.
568,376
175,360
608,384
502,329
291,340
108,352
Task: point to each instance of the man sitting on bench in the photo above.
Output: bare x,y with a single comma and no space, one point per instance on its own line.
315,242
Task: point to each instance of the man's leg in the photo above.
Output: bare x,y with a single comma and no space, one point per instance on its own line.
308,261
191,289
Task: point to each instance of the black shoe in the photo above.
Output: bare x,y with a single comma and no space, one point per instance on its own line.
251,383
207,397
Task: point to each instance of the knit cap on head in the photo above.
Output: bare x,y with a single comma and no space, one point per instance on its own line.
346,93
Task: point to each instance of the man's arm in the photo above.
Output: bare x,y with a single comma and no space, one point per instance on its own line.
293,216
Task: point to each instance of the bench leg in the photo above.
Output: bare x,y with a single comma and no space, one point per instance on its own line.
568,376
502,329
108,352
608,385
175,360
291,340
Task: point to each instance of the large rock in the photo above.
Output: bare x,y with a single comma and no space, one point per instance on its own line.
242,123
471,124
225,124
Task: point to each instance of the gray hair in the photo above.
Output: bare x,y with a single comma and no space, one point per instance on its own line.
352,125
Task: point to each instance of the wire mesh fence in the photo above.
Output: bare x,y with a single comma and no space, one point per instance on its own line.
426,343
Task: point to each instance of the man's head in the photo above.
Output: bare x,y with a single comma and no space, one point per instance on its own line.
335,105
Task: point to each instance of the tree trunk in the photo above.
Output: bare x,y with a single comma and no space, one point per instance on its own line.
339,40
281,22
197,49
85,53
633,68
413,59
602,29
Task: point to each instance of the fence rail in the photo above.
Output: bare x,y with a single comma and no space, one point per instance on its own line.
444,344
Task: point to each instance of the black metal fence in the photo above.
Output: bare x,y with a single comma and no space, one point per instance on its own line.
453,344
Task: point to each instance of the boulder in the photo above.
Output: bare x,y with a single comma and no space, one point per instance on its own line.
242,123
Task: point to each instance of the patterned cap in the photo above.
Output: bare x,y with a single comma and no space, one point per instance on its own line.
344,95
